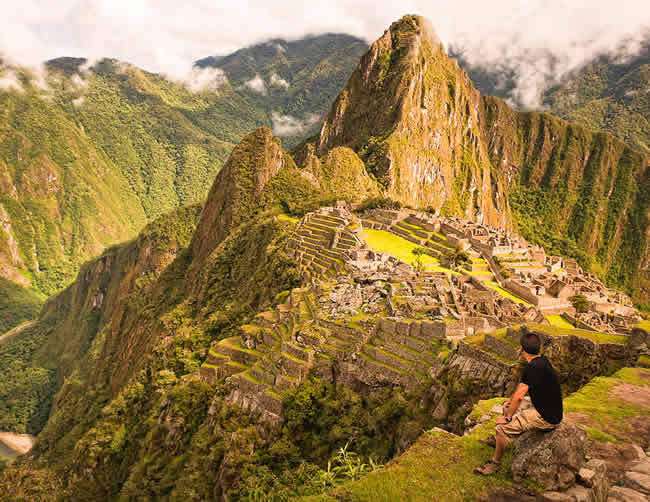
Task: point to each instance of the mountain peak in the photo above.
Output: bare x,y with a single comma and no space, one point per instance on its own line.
414,117
238,189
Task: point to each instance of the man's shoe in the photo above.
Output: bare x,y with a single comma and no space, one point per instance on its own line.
488,468
489,441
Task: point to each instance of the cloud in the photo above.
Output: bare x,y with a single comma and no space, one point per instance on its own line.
9,80
167,36
256,84
78,81
287,125
205,79
279,81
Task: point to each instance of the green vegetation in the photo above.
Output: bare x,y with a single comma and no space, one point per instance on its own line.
17,304
644,324
25,389
86,165
590,335
114,370
386,242
559,322
606,94
437,467
580,303
607,412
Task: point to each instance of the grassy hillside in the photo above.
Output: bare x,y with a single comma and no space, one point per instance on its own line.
17,304
89,155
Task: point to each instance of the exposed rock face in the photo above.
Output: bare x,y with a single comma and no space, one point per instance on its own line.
621,494
238,189
413,117
552,459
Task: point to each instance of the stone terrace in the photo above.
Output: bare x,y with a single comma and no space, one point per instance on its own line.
367,318
321,240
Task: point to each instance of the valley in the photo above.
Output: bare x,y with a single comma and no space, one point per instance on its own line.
340,321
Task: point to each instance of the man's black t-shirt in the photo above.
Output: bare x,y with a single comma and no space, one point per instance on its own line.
544,389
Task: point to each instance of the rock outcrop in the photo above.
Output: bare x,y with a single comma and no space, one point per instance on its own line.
552,459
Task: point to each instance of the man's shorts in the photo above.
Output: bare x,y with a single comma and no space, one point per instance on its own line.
523,421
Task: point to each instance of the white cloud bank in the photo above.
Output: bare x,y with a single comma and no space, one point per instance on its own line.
287,125
166,36
256,84
277,80
205,79
9,80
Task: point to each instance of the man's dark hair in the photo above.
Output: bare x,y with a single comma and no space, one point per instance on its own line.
531,343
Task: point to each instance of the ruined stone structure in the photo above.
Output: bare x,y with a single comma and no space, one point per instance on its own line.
367,318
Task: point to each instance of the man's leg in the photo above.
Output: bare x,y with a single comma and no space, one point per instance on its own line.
502,442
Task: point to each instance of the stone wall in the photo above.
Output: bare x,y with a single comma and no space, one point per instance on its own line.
500,347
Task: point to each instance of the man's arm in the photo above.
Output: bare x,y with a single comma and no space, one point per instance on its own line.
512,404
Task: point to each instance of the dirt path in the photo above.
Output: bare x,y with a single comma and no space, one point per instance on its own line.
16,330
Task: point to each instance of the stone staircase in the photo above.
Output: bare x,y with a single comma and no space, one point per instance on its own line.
320,242
477,267
275,352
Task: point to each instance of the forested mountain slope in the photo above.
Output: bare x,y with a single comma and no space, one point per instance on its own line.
431,140
90,153
609,93
119,354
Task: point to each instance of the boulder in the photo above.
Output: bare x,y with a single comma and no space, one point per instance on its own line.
620,494
637,481
552,459
594,476
554,497
582,494
642,466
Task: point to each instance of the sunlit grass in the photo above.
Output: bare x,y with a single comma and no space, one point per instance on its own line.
559,321
644,324
505,294
595,336
439,465
386,242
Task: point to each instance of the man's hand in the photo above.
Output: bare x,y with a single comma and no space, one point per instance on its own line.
501,420
506,405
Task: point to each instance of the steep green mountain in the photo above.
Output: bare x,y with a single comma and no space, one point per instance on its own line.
293,81
607,94
17,304
432,141
89,155
201,361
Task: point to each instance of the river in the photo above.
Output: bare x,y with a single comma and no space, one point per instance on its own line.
12,445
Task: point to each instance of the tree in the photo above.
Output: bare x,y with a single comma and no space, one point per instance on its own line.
418,262
457,258
580,303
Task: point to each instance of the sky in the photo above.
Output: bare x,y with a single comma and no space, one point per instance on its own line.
166,36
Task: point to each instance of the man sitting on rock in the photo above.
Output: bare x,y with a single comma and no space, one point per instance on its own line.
541,381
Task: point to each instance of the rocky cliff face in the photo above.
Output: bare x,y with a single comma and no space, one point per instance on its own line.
576,187
414,118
